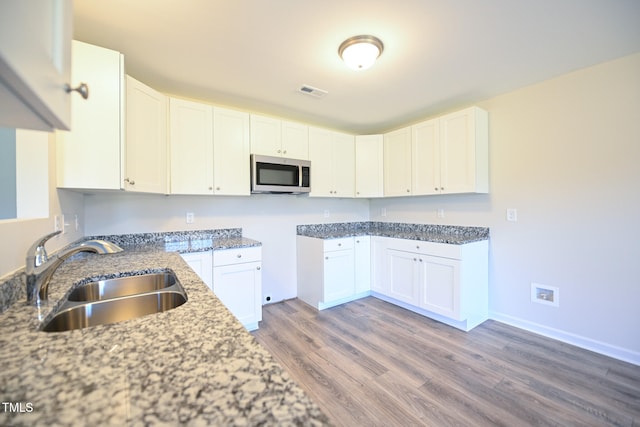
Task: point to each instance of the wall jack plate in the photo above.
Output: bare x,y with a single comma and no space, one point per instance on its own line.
547,295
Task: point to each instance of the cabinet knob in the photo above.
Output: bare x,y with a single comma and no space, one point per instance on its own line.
357,241
217,188
339,244
415,259
211,187
284,152
130,181
420,259
441,188
82,89
326,257
239,256
417,246
436,188
279,151
258,268
408,191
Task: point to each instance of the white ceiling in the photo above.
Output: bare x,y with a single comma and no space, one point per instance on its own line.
439,54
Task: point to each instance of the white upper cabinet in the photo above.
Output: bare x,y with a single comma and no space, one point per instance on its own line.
90,155
35,64
277,138
464,151
425,157
191,147
295,140
231,166
397,162
332,156
369,166
445,155
146,145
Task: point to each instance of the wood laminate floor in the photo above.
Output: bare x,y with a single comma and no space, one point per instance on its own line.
370,363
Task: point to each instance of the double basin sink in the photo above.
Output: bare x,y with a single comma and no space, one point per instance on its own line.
118,299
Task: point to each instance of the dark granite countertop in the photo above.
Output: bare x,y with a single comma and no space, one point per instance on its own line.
192,365
449,234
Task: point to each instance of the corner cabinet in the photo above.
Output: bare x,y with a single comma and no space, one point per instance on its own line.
369,166
146,143
446,282
237,281
91,155
35,64
332,156
331,272
202,264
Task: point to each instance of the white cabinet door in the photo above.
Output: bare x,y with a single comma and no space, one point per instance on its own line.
35,64
202,264
397,162
344,165
321,156
362,262
231,168
440,285
332,156
266,136
295,140
379,277
91,155
239,287
369,166
464,151
146,143
425,157
403,276
190,147
338,275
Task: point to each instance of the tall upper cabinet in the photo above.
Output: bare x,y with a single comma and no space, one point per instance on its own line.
332,156
369,166
35,64
231,171
97,135
191,147
146,143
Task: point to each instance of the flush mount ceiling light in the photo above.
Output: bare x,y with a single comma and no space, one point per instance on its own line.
360,52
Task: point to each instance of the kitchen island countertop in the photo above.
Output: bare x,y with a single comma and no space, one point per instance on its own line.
192,365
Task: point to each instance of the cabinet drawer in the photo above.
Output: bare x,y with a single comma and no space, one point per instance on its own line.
427,248
338,244
237,256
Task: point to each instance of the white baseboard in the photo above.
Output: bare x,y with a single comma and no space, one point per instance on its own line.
619,353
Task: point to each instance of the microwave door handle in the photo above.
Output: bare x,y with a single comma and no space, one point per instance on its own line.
300,176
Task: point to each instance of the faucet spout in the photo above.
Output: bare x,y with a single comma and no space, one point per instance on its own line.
40,267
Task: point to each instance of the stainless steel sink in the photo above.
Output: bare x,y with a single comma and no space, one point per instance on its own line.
123,286
146,295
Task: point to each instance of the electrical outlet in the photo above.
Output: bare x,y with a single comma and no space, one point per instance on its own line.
190,218
327,214
512,214
57,224
383,212
440,213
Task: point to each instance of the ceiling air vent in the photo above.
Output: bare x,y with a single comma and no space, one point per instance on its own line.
312,91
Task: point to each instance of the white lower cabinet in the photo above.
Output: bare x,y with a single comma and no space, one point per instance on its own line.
202,264
237,281
330,270
235,276
446,282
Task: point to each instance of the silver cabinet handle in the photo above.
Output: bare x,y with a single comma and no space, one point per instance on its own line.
82,89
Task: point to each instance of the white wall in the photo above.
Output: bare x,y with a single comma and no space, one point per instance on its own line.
17,235
271,219
566,154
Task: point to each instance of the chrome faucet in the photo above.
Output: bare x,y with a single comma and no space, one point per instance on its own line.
40,267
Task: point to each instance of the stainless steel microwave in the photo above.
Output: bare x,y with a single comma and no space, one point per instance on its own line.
279,175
